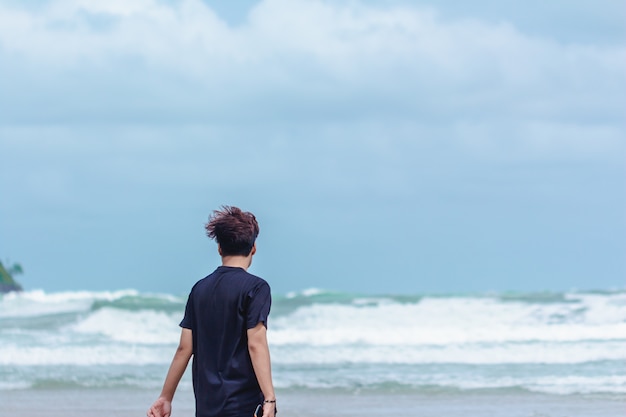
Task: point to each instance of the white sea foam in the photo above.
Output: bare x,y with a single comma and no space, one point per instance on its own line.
38,303
77,355
143,327
40,296
14,385
475,354
309,292
602,308
563,385
446,321
317,337
577,384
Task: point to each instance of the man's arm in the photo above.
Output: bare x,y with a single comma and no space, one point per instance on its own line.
162,407
260,356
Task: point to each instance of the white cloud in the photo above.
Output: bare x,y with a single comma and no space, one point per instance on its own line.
343,72
145,60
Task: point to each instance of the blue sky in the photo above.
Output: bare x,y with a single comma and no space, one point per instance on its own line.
385,146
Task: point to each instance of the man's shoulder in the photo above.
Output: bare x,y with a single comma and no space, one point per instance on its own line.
254,277
234,277
202,281
253,281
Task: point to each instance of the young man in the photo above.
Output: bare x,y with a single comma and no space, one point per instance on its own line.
224,328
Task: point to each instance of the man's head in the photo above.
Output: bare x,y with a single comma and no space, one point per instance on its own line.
235,231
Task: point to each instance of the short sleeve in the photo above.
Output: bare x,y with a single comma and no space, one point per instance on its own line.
260,302
189,318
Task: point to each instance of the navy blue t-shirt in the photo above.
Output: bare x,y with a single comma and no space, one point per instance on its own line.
220,310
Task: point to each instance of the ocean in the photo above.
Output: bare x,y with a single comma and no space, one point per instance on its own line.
567,348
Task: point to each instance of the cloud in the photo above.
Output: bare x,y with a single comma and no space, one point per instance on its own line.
293,61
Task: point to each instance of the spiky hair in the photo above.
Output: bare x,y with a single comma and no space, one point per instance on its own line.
233,229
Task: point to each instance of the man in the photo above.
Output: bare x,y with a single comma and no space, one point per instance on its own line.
224,328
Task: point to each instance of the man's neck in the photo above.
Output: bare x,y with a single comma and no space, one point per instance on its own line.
237,261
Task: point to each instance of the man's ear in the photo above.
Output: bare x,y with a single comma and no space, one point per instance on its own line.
219,250
253,251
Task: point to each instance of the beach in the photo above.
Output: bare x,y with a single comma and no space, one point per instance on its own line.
315,403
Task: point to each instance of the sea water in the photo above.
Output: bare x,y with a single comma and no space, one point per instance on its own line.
568,344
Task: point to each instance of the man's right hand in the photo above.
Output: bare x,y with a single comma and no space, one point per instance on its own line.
269,409
161,408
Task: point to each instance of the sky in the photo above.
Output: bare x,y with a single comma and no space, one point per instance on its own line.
384,146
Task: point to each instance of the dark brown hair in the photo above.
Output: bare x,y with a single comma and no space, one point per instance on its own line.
233,229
